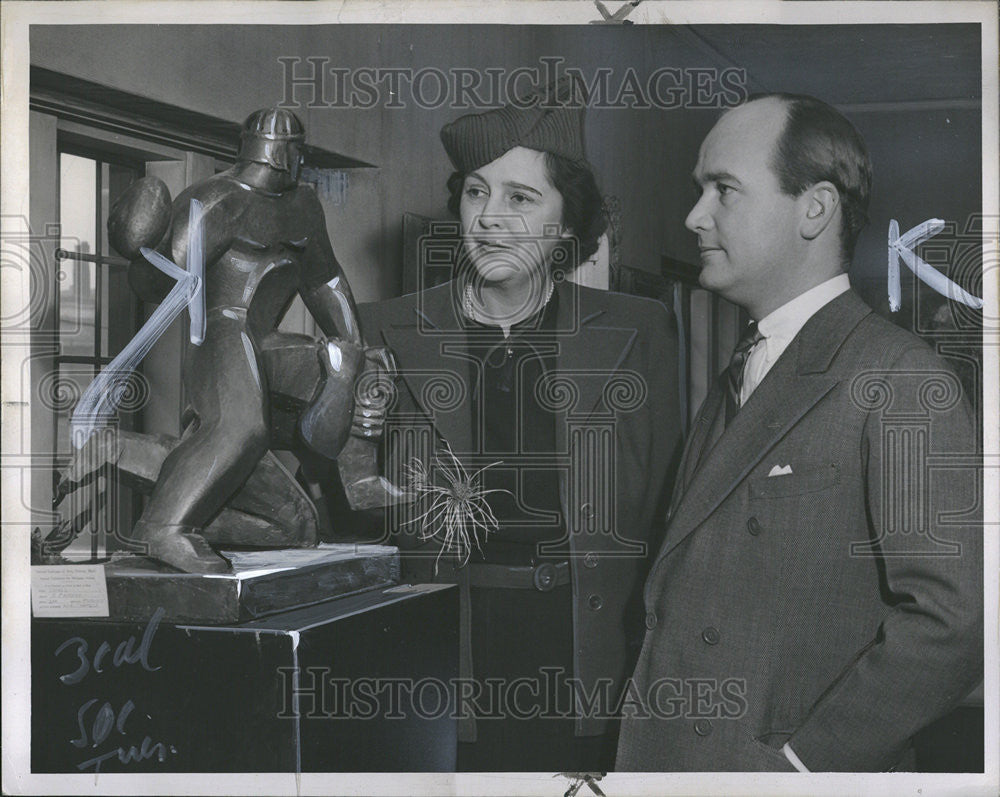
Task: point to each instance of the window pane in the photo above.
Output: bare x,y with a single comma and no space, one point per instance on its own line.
92,295
118,320
78,280
105,271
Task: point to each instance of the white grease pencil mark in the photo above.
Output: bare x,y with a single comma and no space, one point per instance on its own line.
901,246
104,395
251,358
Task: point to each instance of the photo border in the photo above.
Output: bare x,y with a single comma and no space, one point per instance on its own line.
17,17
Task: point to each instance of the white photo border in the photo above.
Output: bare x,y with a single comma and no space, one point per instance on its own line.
16,20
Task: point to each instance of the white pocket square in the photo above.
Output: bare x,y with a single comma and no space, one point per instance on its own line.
781,470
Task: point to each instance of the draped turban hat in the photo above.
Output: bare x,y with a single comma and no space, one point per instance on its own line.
548,119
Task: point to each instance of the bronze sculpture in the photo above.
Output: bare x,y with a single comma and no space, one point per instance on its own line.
250,387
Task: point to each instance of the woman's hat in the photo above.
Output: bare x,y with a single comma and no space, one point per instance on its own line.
548,119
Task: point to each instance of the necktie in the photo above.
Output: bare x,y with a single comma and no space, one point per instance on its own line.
734,373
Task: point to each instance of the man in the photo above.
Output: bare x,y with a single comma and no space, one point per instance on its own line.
818,597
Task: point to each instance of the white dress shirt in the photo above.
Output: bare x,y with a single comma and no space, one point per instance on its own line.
779,327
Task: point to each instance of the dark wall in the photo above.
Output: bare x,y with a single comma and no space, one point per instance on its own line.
912,90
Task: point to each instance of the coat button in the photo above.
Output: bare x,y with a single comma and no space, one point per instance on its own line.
711,635
544,577
703,727
651,620
753,526
590,560
595,602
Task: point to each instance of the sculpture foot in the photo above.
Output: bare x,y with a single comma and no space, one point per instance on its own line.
179,546
375,491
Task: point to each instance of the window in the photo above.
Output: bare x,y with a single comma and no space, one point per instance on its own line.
97,314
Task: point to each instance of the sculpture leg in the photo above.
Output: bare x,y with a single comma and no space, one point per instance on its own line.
270,510
225,387
132,458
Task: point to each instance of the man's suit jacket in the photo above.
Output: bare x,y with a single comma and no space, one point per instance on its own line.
615,397
837,608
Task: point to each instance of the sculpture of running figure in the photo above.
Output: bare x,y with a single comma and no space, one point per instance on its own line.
265,242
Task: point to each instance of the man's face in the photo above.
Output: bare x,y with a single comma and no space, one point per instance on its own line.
748,230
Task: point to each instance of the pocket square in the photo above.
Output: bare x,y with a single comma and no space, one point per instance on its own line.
781,470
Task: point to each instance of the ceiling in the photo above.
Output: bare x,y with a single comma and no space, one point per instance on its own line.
852,64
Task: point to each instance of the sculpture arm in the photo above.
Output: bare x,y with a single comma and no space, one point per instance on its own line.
324,288
148,282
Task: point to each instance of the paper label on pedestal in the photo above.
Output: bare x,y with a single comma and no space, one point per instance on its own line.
69,591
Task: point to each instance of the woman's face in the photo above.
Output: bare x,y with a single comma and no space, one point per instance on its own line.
511,217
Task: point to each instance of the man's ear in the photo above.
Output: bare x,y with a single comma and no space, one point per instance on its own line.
820,203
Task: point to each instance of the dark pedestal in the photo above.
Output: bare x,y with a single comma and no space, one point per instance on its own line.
346,685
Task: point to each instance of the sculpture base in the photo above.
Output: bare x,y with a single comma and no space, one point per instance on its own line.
261,583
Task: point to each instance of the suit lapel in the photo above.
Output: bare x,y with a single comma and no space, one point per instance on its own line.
773,409
426,352
703,436
592,345
591,348
793,386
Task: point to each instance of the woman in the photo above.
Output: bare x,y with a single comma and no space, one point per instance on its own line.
548,413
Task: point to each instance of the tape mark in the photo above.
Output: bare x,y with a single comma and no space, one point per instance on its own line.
618,17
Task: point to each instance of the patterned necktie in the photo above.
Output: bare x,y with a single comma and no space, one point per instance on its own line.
734,373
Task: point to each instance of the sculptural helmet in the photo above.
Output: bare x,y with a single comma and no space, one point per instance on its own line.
273,136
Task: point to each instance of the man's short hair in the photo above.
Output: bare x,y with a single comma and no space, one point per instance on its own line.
818,143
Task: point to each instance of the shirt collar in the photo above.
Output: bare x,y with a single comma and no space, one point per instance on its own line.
785,322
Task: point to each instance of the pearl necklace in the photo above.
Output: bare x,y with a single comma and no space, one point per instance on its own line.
470,311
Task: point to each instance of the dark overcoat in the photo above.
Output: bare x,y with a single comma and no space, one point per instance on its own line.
615,401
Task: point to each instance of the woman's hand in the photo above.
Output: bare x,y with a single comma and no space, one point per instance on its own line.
372,393
369,418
